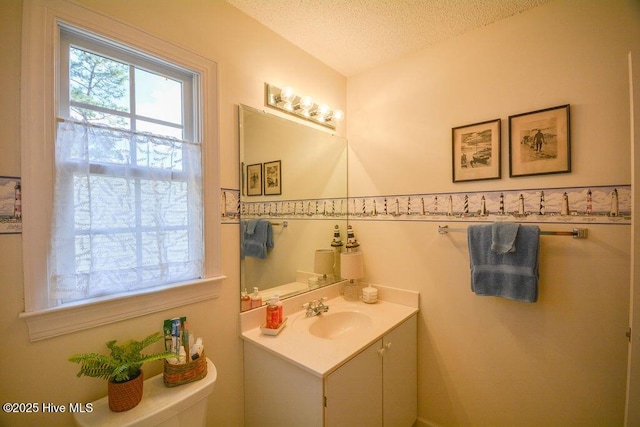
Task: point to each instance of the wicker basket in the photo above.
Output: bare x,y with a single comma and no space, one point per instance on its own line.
126,395
175,375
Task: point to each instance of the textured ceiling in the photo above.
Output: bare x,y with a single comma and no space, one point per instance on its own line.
354,35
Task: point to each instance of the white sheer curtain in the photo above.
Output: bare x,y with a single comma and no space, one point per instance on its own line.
128,212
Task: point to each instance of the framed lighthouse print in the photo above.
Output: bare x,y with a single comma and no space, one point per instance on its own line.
254,180
476,151
10,205
540,142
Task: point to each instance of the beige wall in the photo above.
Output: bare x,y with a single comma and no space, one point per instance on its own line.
482,361
247,56
487,361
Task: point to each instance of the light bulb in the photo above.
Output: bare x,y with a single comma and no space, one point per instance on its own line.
306,103
287,94
323,110
338,115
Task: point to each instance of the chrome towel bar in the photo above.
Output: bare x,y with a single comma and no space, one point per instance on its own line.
576,233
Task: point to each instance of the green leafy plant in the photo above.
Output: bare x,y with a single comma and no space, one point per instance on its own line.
124,362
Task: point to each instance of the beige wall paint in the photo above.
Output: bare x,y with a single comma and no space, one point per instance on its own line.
247,55
483,361
487,361
562,53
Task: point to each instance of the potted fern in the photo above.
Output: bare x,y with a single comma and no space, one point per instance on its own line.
122,369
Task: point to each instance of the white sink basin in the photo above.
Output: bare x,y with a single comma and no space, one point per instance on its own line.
336,324
319,344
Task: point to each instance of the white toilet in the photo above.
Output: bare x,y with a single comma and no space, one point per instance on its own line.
184,405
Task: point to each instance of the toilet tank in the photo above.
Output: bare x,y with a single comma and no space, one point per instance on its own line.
184,405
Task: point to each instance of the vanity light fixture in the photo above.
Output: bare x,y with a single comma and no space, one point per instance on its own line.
302,106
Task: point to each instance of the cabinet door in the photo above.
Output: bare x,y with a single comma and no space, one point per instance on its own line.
354,391
277,393
400,387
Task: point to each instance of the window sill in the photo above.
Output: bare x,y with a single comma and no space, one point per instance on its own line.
75,317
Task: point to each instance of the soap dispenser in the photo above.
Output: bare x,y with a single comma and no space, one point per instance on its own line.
273,314
256,299
245,301
280,309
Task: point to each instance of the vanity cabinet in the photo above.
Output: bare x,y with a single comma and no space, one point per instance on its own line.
376,387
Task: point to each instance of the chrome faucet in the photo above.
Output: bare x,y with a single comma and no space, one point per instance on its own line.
315,307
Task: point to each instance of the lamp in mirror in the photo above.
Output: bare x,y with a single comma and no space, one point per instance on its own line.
323,264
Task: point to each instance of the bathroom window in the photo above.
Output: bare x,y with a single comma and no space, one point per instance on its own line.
128,194
118,129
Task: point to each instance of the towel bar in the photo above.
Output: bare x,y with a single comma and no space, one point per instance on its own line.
576,233
284,224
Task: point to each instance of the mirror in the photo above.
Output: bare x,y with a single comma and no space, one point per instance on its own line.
293,177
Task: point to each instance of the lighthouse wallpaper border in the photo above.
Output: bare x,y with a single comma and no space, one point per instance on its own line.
608,204
10,205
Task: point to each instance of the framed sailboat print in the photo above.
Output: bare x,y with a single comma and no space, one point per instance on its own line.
476,151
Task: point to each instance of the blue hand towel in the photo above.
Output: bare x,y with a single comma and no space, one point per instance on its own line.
257,236
503,237
512,275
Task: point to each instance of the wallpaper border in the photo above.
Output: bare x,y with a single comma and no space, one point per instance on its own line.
575,205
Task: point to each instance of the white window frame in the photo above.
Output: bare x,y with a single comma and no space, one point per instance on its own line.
39,96
73,37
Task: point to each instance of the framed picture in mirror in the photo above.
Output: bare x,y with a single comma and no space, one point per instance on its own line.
254,180
272,178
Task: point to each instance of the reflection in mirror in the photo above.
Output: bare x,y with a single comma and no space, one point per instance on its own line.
293,206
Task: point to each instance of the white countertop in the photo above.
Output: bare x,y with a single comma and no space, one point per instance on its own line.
322,356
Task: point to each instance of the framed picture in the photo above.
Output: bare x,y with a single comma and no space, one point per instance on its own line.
476,151
254,180
10,205
272,178
540,142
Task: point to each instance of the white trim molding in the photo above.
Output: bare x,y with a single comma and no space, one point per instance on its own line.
39,94
70,318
